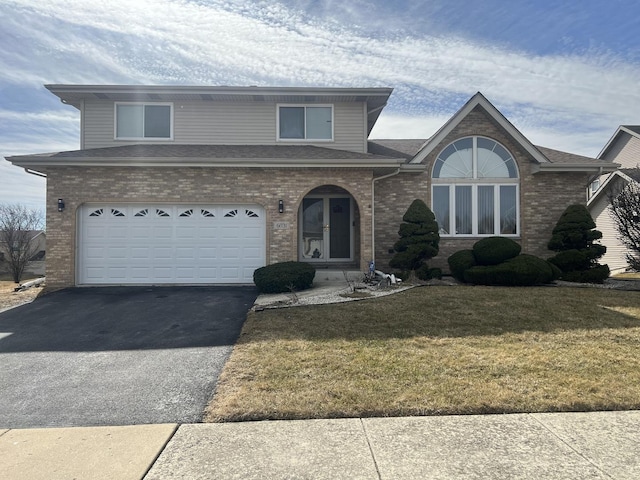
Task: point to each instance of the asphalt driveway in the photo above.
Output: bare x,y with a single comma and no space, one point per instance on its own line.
116,355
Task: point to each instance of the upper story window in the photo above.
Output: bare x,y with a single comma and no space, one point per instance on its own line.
475,189
304,122
144,121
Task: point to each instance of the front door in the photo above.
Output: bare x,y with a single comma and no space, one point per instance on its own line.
326,233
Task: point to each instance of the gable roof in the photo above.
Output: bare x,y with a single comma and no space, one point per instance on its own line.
626,175
478,100
633,130
375,98
546,159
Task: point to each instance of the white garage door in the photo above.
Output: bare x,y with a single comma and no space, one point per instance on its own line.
171,244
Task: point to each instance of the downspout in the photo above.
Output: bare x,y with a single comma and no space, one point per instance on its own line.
373,210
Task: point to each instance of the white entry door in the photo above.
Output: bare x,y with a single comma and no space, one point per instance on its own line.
120,244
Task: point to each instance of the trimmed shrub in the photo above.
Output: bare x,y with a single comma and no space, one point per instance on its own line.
419,238
460,262
597,274
573,238
523,270
426,273
495,250
284,277
571,260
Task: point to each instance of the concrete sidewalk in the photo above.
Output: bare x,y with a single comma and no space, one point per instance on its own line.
536,446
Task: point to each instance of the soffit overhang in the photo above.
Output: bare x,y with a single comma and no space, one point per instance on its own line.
375,98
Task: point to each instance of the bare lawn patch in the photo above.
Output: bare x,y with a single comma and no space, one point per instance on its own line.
10,298
437,350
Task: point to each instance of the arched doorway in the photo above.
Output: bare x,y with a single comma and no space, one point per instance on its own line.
328,226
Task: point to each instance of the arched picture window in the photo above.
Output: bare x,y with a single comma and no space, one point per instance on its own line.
475,185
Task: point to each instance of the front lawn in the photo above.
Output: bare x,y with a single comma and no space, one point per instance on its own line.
437,350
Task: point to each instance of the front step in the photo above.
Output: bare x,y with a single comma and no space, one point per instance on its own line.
336,266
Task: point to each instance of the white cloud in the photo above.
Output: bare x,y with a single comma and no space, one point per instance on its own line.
566,101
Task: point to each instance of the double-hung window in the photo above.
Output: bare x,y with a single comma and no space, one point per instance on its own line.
135,121
475,189
305,122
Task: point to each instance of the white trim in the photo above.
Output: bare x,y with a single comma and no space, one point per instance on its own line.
143,138
474,164
494,113
326,234
605,185
621,129
305,106
474,209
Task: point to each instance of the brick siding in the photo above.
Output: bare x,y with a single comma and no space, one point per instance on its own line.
262,186
543,196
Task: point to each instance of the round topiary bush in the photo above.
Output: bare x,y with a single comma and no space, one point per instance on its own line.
523,270
495,250
460,262
284,277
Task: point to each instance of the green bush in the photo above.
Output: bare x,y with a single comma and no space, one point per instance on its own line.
571,260
284,277
460,262
426,273
495,250
573,238
523,270
597,274
419,238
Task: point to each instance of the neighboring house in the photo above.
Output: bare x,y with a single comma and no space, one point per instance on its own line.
39,246
202,185
622,148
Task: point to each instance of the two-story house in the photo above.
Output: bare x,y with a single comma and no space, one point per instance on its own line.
202,185
622,148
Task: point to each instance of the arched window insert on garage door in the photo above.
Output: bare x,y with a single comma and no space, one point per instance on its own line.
474,191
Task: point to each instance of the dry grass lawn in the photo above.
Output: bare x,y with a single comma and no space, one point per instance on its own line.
9,298
437,350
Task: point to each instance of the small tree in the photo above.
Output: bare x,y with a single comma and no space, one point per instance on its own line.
17,231
419,239
574,239
625,211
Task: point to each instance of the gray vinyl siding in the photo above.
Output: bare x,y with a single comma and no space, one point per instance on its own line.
98,124
625,151
616,251
226,124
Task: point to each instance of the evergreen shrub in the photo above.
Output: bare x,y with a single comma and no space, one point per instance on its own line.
284,277
495,250
419,238
460,262
573,238
523,270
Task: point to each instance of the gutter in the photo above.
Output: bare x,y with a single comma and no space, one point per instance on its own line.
36,173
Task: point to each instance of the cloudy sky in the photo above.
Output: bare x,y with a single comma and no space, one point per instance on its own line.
565,73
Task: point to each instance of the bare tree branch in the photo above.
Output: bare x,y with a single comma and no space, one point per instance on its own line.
18,227
625,212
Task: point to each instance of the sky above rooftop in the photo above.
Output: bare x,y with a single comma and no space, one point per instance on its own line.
564,73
